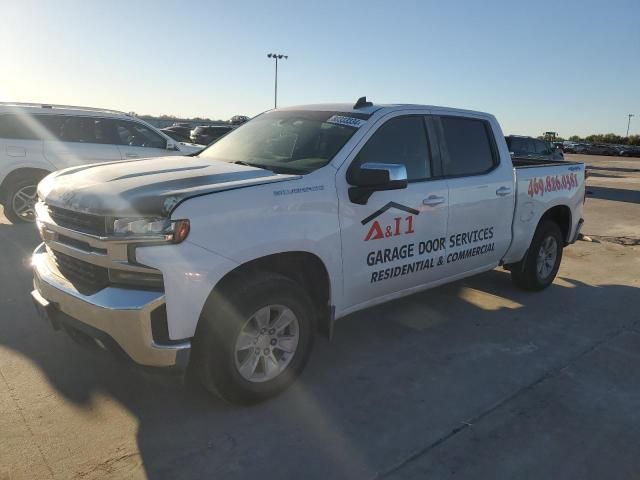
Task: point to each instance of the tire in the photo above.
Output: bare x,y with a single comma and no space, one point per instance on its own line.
251,306
18,193
528,273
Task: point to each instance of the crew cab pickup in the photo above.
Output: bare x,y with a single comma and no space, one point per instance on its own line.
230,261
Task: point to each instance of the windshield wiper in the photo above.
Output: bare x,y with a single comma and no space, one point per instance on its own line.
240,162
257,165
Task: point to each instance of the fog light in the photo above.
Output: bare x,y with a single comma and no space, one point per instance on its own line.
136,279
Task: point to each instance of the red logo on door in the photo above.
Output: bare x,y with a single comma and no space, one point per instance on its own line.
399,226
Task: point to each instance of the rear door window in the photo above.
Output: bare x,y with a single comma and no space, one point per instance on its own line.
468,147
67,128
521,146
517,146
20,127
542,147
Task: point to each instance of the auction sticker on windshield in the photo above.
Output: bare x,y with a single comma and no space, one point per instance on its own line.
346,121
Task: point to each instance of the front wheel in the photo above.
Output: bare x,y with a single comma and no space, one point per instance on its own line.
255,338
540,266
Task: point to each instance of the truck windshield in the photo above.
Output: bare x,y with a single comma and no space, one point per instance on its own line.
296,142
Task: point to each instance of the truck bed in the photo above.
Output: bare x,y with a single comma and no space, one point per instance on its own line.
540,186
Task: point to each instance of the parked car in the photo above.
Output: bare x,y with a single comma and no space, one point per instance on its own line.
182,125
574,147
600,149
238,119
294,220
628,150
206,134
179,134
38,139
533,148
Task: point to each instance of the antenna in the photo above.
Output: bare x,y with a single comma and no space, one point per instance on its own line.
362,102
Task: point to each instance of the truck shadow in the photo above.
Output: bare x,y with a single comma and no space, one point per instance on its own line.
394,378
615,169
614,194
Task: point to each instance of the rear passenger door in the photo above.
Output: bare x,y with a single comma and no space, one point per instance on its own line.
136,140
20,143
481,193
76,140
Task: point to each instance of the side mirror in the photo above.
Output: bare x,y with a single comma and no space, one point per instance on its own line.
173,147
368,178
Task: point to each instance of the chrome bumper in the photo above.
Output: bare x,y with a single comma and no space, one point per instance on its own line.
122,314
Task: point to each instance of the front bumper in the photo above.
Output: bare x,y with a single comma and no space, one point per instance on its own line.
119,314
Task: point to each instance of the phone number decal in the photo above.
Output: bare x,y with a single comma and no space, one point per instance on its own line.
555,183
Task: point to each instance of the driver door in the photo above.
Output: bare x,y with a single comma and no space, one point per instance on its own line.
396,240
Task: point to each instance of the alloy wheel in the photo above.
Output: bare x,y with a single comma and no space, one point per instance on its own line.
23,203
266,343
546,259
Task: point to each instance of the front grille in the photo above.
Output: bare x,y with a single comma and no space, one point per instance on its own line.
86,277
78,221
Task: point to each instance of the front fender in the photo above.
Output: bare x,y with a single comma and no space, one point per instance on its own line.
190,273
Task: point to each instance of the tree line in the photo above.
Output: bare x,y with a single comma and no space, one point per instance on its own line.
611,138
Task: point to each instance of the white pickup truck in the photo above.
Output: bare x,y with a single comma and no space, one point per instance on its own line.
230,261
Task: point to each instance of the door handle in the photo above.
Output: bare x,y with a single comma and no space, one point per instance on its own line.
503,191
131,155
433,200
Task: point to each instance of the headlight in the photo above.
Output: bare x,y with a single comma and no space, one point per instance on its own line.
162,229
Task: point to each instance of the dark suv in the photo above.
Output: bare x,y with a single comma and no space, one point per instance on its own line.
533,148
204,135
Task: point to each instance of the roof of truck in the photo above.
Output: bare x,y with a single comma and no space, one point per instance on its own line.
373,108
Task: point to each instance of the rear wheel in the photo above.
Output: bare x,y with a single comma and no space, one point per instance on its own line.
255,338
20,199
540,266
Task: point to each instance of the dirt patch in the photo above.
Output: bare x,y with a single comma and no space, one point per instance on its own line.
624,241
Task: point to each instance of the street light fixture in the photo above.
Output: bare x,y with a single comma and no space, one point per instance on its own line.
629,123
276,57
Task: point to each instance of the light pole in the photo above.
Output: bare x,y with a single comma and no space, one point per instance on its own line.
276,57
629,123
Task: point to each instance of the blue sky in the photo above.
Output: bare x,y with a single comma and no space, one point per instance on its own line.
571,67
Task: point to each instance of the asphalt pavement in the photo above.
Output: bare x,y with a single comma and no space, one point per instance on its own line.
475,379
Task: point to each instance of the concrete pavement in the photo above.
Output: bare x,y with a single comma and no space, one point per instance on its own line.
472,380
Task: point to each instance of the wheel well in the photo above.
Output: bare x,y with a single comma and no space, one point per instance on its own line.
20,173
560,214
303,267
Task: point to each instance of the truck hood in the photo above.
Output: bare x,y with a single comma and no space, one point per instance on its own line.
147,187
